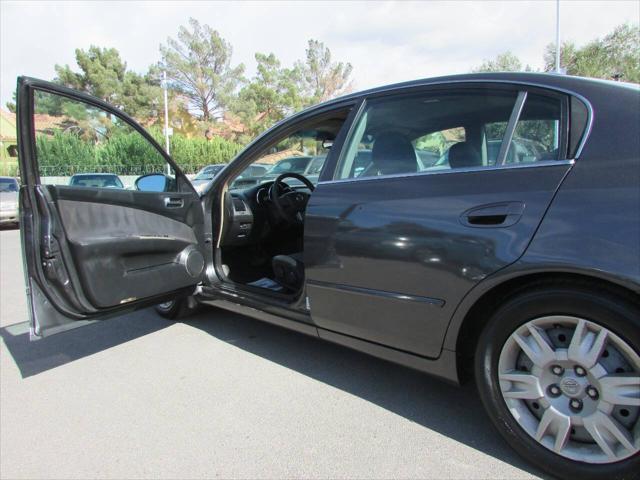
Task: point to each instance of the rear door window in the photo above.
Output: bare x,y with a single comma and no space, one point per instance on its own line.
450,130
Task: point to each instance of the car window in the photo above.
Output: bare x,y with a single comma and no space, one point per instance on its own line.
254,171
99,181
448,130
432,148
295,165
315,166
207,173
83,145
302,152
258,170
8,185
536,136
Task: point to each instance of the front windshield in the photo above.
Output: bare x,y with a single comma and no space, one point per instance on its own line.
295,165
100,181
207,173
8,185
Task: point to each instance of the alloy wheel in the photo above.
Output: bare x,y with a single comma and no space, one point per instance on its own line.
574,386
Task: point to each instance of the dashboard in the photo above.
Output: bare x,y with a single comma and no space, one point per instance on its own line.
249,214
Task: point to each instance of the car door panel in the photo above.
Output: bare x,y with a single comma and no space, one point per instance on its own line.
122,252
92,253
389,259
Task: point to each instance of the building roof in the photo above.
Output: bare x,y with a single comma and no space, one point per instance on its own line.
7,126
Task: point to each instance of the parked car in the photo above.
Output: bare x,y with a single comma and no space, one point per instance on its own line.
251,176
9,189
522,275
206,174
308,166
96,180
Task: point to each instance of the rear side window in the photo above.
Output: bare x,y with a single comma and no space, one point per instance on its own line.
467,128
537,134
8,185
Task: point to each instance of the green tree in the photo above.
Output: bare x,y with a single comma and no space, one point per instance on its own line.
323,78
11,105
101,73
504,62
198,64
272,94
104,74
616,56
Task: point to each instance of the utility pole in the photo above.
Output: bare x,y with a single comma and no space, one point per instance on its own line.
166,117
557,36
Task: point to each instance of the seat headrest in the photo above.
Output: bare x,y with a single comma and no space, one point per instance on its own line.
463,155
393,153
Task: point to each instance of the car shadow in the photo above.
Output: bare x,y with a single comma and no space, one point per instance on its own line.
451,411
455,412
34,357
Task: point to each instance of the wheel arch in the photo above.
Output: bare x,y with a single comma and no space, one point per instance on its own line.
474,312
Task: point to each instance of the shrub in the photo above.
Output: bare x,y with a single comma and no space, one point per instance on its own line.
191,154
126,153
63,153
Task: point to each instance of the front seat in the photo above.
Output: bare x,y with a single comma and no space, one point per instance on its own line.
289,270
392,153
463,155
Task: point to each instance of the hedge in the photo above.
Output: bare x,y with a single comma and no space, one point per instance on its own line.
67,153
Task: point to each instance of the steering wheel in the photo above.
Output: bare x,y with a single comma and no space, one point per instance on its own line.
290,204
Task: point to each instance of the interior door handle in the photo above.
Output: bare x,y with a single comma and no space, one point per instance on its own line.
173,202
493,215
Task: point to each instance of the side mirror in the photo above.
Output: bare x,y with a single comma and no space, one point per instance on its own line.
153,182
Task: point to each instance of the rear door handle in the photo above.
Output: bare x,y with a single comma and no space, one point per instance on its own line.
173,202
493,215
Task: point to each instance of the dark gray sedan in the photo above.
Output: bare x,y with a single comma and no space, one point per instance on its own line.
515,261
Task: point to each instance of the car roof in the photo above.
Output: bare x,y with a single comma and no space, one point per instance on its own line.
295,157
94,175
551,80
566,83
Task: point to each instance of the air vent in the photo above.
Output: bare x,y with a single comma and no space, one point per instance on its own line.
238,205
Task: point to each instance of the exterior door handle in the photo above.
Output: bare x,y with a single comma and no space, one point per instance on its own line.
173,202
493,215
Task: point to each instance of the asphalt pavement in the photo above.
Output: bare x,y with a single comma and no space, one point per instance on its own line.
223,396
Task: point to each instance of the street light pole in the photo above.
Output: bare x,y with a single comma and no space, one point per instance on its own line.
166,117
557,36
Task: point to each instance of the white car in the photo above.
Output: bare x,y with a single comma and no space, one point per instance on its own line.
9,201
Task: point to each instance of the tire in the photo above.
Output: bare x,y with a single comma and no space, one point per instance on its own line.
573,396
176,309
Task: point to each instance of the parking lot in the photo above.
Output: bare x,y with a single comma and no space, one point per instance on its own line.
222,395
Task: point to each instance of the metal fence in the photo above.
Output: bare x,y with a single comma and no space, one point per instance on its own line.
68,170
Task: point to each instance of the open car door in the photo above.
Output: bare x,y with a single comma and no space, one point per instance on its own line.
94,246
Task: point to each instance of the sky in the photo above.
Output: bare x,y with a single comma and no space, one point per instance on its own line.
386,42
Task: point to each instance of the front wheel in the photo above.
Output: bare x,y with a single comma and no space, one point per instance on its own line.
176,309
558,370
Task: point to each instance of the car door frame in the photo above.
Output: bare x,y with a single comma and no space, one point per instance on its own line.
216,288
40,300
